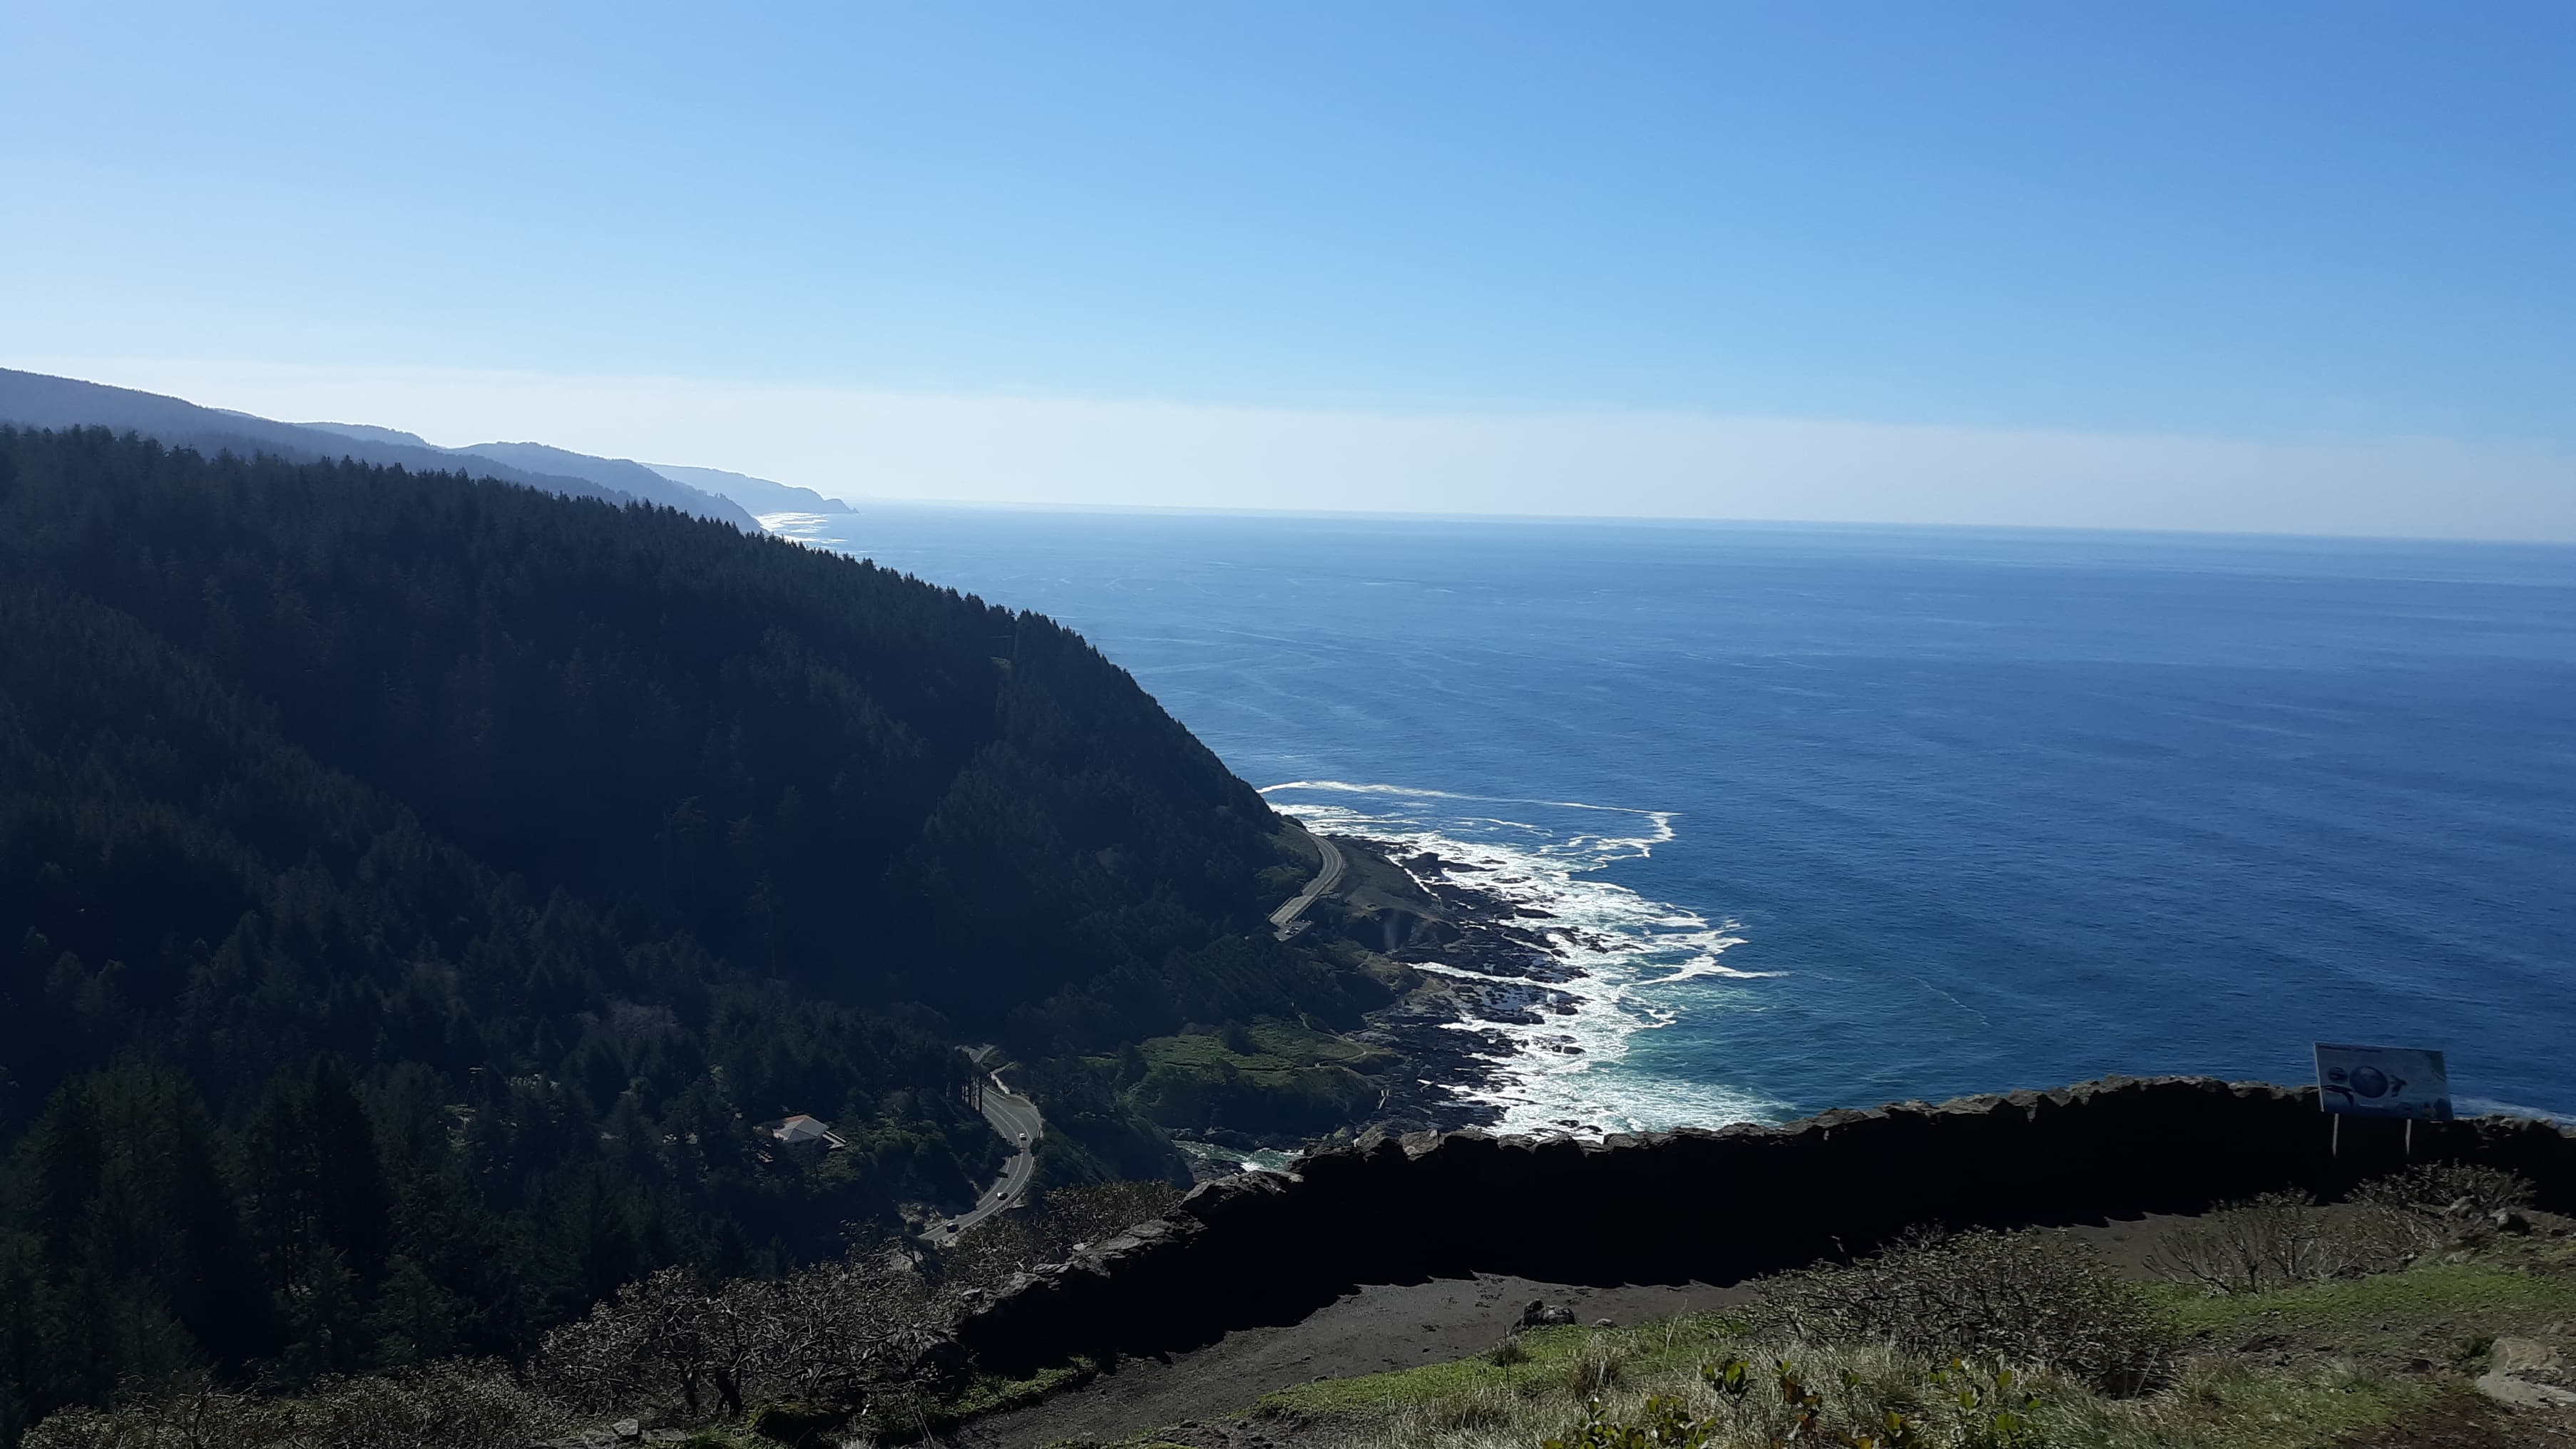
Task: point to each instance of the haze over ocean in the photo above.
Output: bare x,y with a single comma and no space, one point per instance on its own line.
1845,816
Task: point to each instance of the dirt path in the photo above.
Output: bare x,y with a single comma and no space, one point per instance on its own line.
1372,1330
1380,1327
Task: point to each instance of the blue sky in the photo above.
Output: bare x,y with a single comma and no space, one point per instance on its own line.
2287,226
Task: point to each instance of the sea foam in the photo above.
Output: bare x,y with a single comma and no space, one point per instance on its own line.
1614,964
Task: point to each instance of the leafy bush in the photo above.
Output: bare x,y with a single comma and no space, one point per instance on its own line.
1662,1422
2033,1298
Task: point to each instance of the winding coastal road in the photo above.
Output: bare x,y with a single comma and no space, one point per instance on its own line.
1018,1120
1287,920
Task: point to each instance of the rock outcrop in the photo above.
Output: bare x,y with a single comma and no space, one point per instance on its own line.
1712,1206
1542,1314
2527,1375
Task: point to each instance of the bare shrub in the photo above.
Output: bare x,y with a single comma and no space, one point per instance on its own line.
2447,1192
201,1418
2033,1298
1094,1211
454,1404
657,1339
987,1254
2270,1241
2397,1219
2283,1238
991,1251
2384,1239
850,1335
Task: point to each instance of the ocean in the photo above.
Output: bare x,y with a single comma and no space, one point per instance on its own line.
1834,817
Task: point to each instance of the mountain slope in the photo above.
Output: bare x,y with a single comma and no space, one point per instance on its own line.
414,890
760,495
621,474
369,433
756,743
35,400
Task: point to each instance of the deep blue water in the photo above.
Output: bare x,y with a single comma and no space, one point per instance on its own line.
1842,816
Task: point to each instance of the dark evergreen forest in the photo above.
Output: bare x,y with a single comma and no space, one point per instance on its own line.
415,890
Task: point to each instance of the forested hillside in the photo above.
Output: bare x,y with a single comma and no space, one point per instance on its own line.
415,890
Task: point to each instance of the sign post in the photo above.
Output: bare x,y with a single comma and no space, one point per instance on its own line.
2378,1081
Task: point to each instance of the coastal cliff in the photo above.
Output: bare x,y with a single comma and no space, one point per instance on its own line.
1708,1205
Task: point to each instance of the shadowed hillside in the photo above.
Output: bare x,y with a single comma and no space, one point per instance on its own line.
414,890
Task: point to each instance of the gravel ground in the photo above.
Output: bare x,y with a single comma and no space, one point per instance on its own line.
1372,1330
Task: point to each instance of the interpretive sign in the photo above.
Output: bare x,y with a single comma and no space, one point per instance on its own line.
2377,1081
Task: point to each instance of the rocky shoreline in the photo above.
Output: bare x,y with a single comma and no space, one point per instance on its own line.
1476,962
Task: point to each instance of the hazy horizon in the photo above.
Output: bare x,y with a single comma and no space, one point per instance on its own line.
1633,465
2299,270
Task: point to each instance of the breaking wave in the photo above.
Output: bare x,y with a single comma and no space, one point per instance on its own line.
1615,967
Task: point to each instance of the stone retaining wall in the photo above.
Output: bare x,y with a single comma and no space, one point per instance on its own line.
1709,1206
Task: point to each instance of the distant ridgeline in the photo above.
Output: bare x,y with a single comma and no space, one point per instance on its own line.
413,888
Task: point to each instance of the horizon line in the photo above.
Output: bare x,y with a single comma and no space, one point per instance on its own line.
1698,521
1645,465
